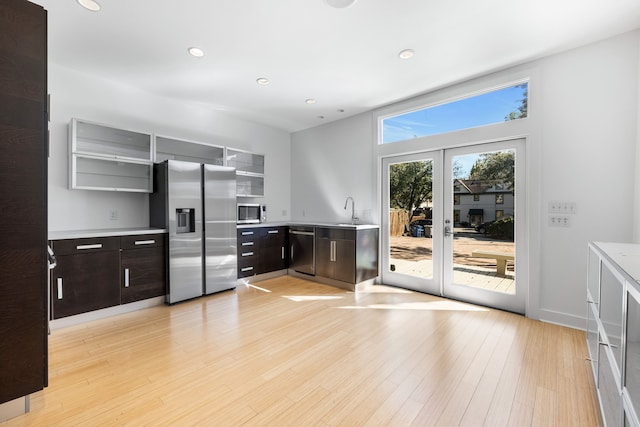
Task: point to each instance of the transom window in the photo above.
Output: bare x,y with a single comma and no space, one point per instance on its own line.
510,103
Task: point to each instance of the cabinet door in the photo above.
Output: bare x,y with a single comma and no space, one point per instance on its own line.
324,265
345,260
85,282
143,273
273,248
23,199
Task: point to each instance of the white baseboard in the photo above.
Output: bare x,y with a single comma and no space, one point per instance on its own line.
563,319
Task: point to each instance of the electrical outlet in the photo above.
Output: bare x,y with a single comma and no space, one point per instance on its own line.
559,221
113,214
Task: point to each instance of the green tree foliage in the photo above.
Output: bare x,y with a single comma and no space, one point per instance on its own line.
499,167
522,111
410,185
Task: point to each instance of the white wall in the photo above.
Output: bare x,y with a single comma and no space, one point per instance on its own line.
636,210
78,95
586,106
589,136
330,163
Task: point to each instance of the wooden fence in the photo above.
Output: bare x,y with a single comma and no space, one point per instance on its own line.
397,220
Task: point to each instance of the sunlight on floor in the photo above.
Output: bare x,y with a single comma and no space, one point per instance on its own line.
298,298
426,306
249,285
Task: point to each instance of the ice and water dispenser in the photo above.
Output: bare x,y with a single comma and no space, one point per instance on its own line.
185,220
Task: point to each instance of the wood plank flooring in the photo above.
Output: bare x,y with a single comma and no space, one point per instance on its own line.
292,352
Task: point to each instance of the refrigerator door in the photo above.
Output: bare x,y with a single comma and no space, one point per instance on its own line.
221,265
184,213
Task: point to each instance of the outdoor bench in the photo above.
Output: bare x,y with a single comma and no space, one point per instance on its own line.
500,257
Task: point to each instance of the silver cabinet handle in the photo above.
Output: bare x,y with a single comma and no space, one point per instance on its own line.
247,253
283,252
94,246
272,231
59,282
126,277
247,243
247,269
247,233
144,242
332,251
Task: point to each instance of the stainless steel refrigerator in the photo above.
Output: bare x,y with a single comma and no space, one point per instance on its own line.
196,204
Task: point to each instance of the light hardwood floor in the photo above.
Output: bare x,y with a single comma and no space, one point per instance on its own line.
293,352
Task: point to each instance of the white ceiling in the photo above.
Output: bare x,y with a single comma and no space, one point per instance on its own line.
346,59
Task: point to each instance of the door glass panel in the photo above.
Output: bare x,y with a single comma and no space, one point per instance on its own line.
410,218
484,220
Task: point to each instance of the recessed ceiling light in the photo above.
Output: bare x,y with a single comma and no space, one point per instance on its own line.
196,51
92,5
340,110
406,54
339,3
321,117
262,81
310,101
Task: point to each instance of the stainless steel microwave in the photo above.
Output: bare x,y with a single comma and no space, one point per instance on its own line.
249,213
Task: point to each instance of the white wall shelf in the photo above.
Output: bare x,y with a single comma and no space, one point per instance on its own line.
249,172
106,158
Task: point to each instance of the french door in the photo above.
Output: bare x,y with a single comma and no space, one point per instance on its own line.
450,226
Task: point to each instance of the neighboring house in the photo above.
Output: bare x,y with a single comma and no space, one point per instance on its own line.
477,201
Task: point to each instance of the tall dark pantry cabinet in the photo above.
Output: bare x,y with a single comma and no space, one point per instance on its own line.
23,199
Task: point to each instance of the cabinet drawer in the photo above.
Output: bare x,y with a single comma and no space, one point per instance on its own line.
248,234
247,266
87,245
141,241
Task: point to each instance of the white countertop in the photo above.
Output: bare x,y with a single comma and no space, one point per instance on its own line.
105,232
625,255
312,224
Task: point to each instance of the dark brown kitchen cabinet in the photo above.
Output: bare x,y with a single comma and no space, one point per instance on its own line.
248,240
261,250
142,267
346,254
87,275
23,198
336,254
273,249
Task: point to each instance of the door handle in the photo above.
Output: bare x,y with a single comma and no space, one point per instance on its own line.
447,231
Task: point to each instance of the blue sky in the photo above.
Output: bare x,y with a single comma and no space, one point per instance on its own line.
484,109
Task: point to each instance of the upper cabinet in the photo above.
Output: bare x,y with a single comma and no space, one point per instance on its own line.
107,158
187,151
249,172
103,157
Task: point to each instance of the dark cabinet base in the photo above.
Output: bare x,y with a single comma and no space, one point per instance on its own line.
84,283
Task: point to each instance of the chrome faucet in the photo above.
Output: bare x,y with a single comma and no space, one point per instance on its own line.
354,218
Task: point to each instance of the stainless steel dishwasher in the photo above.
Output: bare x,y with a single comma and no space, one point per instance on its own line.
303,249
